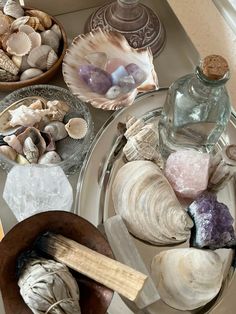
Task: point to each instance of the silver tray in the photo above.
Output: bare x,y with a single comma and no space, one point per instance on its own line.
104,159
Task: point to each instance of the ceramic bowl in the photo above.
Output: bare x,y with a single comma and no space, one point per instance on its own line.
47,75
71,151
115,46
94,297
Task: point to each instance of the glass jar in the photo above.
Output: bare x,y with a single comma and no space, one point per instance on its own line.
197,109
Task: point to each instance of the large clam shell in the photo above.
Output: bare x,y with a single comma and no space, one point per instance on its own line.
147,203
19,44
115,46
38,57
13,8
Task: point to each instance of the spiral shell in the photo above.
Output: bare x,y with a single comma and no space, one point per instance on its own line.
30,150
147,203
36,138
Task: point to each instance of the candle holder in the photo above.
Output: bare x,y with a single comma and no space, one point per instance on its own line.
139,24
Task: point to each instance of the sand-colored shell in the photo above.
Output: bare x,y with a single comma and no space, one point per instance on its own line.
13,8
189,278
37,105
44,18
147,203
57,30
35,39
133,126
19,22
51,39
4,24
138,150
49,158
77,128
30,150
3,40
51,59
8,152
13,142
56,129
6,76
21,62
58,109
19,44
30,73
36,137
34,23
115,46
7,64
27,29
38,57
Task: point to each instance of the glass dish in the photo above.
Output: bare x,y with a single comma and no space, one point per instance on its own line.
72,151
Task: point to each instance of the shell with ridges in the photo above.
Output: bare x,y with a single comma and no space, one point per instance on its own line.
77,128
30,73
147,203
43,17
35,39
38,57
21,62
13,8
34,23
57,30
8,152
56,129
51,39
51,59
138,150
187,278
19,22
133,126
6,76
114,45
13,142
4,24
7,64
30,150
19,44
49,158
27,29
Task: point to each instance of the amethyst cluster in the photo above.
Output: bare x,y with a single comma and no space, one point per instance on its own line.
213,223
121,81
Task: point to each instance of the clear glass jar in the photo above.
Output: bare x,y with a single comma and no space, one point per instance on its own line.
196,112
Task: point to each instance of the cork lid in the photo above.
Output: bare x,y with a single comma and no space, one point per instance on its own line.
214,67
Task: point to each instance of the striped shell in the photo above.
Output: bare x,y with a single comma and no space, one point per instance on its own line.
7,64
43,17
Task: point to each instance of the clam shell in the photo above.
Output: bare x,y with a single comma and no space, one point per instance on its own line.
56,129
4,24
8,152
49,158
19,22
27,29
51,59
18,44
6,76
76,128
51,39
115,46
30,150
13,8
7,64
21,62
35,39
30,73
38,57
43,17
57,30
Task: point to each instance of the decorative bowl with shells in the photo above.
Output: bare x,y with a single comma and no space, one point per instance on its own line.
32,46
102,57
22,137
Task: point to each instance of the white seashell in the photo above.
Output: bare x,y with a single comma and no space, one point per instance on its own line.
13,142
77,128
38,57
8,152
30,150
21,62
36,138
7,76
36,105
4,24
147,203
51,39
43,17
58,109
27,29
52,59
18,44
7,64
57,30
49,158
19,22
13,8
35,39
30,73
187,279
137,150
56,129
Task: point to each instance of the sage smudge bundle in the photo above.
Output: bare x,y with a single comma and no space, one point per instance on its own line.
48,287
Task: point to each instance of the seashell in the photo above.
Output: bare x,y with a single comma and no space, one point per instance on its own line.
115,46
13,8
36,105
7,64
27,29
148,135
18,44
38,57
4,24
77,128
138,150
187,279
16,24
30,150
52,59
13,142
57,30
36,137
49,158
51,39
34,23
7,76
229,155
56,129
2,3
8,152
50,143
58,109
21,62
147,203
3,40
21,160
35,39
43,17
30,73
133,126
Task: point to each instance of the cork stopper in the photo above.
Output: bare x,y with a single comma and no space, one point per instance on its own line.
214,67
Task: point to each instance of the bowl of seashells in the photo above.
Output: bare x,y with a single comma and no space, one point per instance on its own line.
32,46
44,125
101,68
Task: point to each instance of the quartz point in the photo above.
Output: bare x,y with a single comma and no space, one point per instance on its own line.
113,64
31,189
213,223
187,172
138,74
127,83
126,252
98,59
118,74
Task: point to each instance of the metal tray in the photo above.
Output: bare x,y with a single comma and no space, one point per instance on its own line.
94,202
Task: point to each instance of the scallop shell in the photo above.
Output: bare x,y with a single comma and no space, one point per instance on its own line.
36,138
49,158
27,29
38,57
57,30
147,203
77,128
51,39
114,45
44,18
21,62
52,59
35,39
4,24
13,142
7,76
19,44
7,64
187,279
58,109
19,22
8,152
13,8
30,73
56,129
30,150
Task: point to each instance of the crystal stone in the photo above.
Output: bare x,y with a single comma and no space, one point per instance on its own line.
113,92
113,64
213,223
127,83
187,172
138,74
118,74
97,79
32,189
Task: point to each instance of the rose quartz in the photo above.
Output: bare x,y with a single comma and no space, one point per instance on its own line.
187,172
114,63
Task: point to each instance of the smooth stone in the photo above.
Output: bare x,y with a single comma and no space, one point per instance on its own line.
51,157
98,59
113,92
113,64
127,83
138,74
118,74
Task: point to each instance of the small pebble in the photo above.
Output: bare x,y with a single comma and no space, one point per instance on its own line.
118,74
127,83
113,92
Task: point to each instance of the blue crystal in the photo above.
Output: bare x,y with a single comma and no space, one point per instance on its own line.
118,74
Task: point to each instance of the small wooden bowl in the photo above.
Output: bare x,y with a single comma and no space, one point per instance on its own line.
94,297
46,76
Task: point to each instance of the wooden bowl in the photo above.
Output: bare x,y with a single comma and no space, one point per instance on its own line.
46,76
94,297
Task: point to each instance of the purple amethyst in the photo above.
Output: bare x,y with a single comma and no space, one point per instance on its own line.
97,79
138,74
213,223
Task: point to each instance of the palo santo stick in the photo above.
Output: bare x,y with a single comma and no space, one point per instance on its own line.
112,274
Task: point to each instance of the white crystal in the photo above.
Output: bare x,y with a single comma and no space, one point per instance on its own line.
31,189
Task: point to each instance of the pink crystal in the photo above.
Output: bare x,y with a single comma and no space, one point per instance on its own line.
187,172
113,64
